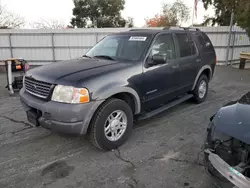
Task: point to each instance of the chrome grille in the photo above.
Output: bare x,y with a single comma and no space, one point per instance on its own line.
38,88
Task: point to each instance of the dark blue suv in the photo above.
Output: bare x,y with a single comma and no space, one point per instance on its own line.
126,76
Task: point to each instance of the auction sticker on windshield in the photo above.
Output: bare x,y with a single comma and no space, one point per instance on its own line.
137,38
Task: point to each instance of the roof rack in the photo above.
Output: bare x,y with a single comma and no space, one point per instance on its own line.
181,28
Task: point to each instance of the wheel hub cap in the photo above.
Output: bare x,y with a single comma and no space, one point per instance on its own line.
115,125
202,89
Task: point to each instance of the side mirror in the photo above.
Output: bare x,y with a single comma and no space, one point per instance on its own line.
158,59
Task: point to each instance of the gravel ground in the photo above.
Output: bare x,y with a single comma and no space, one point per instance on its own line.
164,151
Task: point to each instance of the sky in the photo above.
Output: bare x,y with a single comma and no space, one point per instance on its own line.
34,10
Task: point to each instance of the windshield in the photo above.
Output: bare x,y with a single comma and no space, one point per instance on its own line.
121,47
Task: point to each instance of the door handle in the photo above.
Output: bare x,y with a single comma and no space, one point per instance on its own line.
175,66
198,60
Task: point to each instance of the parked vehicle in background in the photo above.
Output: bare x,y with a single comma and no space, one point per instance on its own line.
126,76
227,153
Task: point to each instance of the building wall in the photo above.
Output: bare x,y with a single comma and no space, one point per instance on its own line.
40,47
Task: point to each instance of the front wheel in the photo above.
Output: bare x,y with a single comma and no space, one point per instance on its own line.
111,125
201,89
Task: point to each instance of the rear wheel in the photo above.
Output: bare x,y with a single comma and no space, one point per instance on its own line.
111,125
201,89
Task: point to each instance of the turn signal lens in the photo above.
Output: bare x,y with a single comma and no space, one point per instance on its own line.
80,95
84,99
18,67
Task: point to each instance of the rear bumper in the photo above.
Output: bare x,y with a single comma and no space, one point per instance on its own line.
61,117
232,175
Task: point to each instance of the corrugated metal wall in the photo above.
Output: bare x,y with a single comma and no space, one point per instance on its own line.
46,46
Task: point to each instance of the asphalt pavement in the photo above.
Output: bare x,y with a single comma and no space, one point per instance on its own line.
164,151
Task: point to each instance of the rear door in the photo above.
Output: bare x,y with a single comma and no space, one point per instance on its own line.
189,60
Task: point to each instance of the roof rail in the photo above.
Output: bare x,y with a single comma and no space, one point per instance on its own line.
181,28
171,28
139,29
189,28
166,28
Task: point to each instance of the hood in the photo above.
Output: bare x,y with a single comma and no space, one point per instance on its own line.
58,71
234,120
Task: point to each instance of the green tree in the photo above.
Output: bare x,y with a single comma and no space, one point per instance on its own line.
130,22
172,15
98,13
242,15
223,10
177,13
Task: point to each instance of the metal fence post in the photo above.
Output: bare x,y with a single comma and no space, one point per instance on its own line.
232,51
229,37
9,70
10,45
53,47
96,38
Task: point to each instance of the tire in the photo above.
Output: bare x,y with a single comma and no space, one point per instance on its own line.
198,97
100,122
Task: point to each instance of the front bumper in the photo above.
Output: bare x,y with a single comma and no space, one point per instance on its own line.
61,117
232,175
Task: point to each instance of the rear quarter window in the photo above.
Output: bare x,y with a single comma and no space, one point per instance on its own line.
204,42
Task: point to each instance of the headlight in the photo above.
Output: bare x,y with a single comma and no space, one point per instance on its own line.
69,94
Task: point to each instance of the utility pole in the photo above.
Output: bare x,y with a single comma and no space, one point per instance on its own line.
193,15
229,36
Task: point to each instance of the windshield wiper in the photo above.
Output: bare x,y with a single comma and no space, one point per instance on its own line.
87,56
105,57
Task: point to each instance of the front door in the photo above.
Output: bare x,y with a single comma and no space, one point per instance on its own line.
160,80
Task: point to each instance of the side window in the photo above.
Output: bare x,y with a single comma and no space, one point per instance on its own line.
186,45
164,45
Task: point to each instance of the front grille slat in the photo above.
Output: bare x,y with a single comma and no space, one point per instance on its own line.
40,83
38,88
37,91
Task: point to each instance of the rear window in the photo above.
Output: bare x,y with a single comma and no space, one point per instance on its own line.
204,41
185,44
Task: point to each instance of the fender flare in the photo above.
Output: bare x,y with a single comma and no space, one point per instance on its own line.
129,90
200,72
